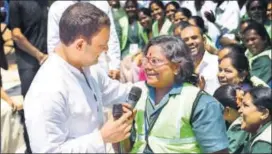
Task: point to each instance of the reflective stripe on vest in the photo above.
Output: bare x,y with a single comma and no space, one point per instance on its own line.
172,131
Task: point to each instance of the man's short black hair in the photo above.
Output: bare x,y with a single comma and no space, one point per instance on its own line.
81,20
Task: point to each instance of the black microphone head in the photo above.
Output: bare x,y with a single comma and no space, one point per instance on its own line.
135,94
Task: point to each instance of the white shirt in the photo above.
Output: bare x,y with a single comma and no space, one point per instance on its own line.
189,5
213,30
111,61
228,18
61,111
208,68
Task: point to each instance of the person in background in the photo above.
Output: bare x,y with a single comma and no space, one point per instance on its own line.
209,44
239,35
255,110
205,64
117,11
242,5
233,67
72,119
226,18
161,25
145,19
28,25
131,40
230,96
268,24
168,66
190,5
269,11
109,61
182,14
4,65
256,10
201,7
258,43
179,27
170,10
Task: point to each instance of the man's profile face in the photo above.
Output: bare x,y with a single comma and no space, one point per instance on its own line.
97,45
194,40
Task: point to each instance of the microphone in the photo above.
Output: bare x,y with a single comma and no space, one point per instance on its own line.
133,97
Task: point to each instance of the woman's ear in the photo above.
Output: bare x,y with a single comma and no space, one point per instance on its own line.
176,68
243,75
227,110
265,114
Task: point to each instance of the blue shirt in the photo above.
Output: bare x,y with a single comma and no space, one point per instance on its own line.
207,122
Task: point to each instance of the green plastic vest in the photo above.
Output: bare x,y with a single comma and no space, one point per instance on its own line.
172,132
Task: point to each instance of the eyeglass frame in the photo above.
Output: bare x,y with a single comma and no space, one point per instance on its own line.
146,60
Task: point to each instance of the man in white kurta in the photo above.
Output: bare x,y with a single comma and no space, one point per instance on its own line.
64,105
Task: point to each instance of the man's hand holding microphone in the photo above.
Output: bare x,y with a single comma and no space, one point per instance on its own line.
116,130
119,124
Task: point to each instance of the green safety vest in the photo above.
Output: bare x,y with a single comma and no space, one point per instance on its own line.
125,26
265,136
172,132
165,30
254,79
144,35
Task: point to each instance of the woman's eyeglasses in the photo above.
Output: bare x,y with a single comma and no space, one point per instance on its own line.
154,62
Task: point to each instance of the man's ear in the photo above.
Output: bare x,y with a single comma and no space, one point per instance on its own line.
79,44
204,39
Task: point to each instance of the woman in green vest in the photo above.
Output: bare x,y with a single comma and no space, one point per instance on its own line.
230,97
234,67
161,25
256,111
130,41
144,17
258,44
173,116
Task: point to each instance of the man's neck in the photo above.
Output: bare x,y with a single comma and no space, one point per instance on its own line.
197,60
61,50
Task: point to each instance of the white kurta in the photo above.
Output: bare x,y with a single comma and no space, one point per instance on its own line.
64,111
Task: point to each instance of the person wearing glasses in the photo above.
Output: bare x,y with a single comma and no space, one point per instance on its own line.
173,116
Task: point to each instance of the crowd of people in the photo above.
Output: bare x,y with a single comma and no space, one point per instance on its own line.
204,68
